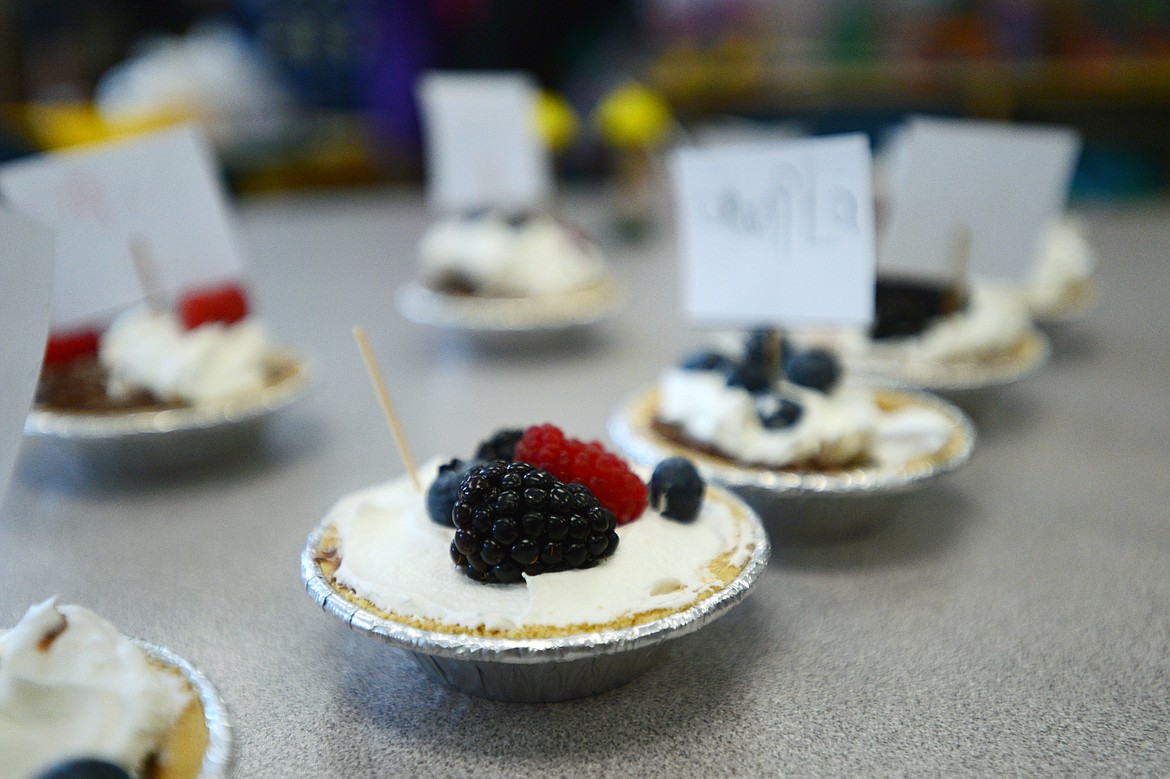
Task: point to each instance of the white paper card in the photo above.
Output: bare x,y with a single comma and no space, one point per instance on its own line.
160,190
26,278
778,232
481,141
1003,185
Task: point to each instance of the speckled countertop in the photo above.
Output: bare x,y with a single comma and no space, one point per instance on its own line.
1012,619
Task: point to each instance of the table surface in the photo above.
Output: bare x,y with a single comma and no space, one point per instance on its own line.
1013,618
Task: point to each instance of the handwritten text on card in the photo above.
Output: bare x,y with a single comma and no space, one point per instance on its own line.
777,232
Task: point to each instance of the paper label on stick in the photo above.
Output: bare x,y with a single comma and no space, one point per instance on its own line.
159,192
1003,185
26,276
779,232
482,144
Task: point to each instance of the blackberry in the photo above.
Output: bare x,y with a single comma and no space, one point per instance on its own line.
776,412
444,489
501,446
676,489
813,368
513,519
708,361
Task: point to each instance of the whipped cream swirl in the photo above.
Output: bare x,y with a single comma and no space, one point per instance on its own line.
1066,259
393,555
71,685
145,349
839,427
495,256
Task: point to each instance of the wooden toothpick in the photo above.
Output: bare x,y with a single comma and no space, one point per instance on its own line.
359,335
146,270
961,257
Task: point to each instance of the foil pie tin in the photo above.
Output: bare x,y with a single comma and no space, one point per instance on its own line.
217,759
538,670
149,440
803,503
958,375
487,315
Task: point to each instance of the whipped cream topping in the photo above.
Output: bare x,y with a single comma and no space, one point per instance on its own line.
538,256
994,320
1066,259
393,555
72,686
838,427
145,349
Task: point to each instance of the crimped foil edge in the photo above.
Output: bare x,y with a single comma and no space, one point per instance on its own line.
629,429
575,308
217,760
537,650
952,376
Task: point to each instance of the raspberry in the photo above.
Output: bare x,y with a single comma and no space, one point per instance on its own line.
513,519
63,348
570,460
225,304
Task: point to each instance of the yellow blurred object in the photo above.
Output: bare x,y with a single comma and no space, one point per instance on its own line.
555,120
633,117
61,125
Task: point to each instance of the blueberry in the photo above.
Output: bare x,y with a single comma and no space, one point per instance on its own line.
760,367
766,345
776,412
676,489
708,361
518,220
752,376
444,490
813,368
85,769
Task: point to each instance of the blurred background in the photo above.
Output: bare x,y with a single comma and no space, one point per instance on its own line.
319,93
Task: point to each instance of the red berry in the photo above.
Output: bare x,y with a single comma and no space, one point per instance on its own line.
65,347
225,304
608,477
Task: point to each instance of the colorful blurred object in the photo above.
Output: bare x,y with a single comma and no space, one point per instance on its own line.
60,125
555,120
633,117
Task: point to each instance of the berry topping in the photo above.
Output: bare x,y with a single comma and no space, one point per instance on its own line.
766,346
708,361
605,474
65,347
444,490
676,489
501,446
225,304
85,769
813,368
906,307
513,519
776,412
